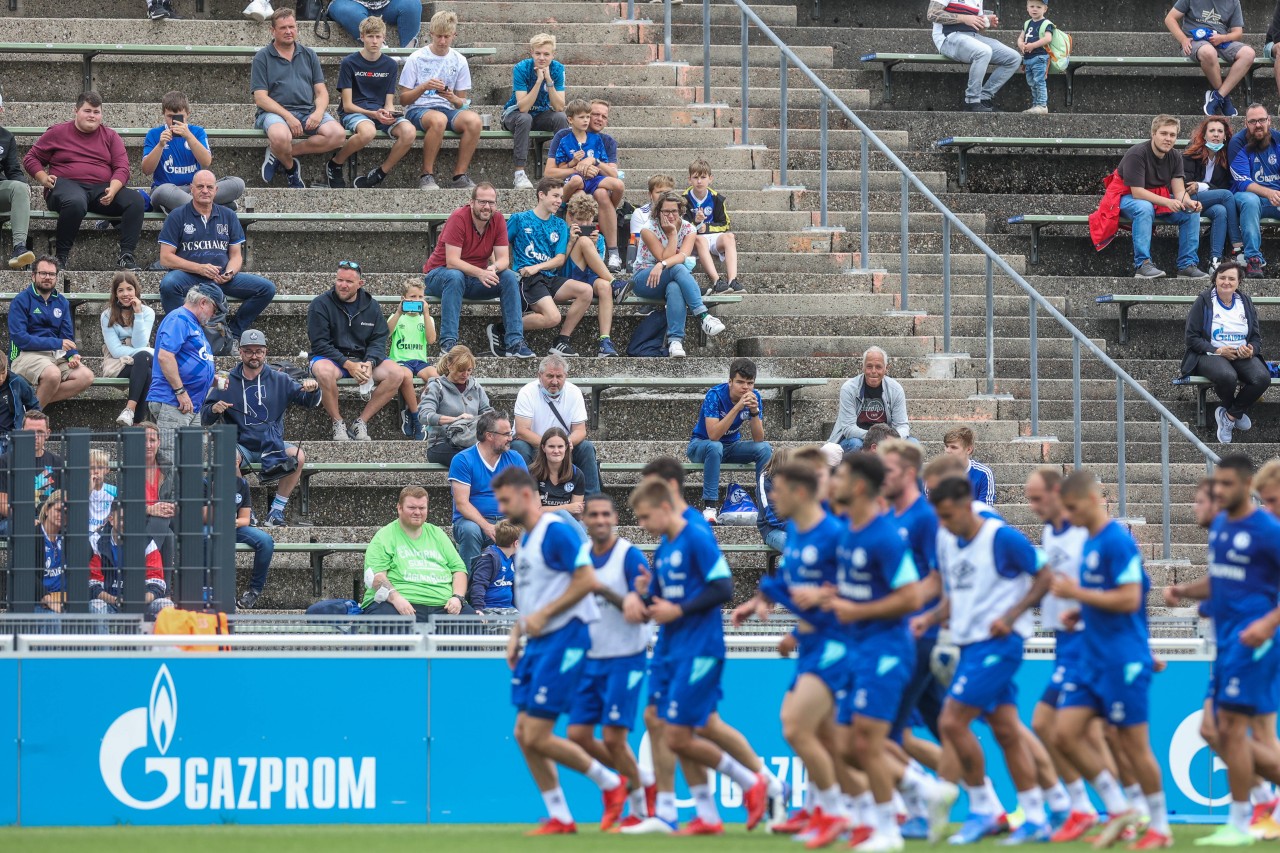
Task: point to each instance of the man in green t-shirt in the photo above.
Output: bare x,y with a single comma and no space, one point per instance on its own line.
411,567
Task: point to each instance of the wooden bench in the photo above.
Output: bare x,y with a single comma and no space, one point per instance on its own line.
1037,221
1202,387
962,145
1126,302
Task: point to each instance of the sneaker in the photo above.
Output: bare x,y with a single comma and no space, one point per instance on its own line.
711,325
1148,270
1265,828
700,827
520,350
1244,425
1226,108
606,349
462,182
709,515
495,333
613,261
248,599
977,107
675,349
975,828
1211,100
713,286
64,263
1224,836
628,822
825,829
156,10
551,826
621,290
794,823
735,286
340,431
1253,268
940,804
1037,110
564,348
270,165
275,519
522,182
22,257
614,800
1153,840
294,176
333,174
650,826
756,799
427,182
125,418
1077,824
258,10
915,828
360,430
777,810
882,842
1192,272
126,262
1225,426
446,345
409,423
1027,833
1214,263
1115,827
990,104
369,179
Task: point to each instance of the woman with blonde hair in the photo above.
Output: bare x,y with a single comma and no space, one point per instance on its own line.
450,404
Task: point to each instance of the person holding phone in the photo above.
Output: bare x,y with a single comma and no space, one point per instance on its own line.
411,331
174,151
959,33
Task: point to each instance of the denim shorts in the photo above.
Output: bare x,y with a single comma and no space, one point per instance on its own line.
266,120
415,114
350,120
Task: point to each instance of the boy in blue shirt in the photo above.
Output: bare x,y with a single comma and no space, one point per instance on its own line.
959,442
1033,42
172,154
493,573
536,102
582,157
708,215
717,434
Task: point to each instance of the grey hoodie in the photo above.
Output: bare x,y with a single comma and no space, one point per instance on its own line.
442,397
895,405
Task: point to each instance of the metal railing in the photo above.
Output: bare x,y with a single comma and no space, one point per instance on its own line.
868,141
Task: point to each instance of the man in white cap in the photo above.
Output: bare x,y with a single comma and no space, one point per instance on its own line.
15,197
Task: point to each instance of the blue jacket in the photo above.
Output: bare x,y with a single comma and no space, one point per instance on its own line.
1254,167
23,398
37,325
258,406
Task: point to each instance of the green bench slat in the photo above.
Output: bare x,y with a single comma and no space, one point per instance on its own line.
305,299
1125,302
963,145
1039,220
198,50
1202,387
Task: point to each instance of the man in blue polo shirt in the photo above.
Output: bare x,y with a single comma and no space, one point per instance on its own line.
475,508
717,435
183,366
200,243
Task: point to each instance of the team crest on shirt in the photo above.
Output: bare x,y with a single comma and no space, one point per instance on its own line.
222,229
809,555
1092,560
676,559
859,557
555,238
1241,541
57,313
568,487
189,228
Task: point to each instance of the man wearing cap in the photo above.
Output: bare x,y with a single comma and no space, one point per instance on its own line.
15,198
201,242
255,399
183,368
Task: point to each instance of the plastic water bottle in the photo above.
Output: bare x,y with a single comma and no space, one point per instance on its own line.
366,388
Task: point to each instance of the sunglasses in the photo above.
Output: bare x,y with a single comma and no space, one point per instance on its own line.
348,265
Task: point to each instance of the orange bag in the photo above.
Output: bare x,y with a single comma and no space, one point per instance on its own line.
171,620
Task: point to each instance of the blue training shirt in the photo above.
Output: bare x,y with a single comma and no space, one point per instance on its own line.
201,239
54,578
873,562
682,569
918,527
1254,167
1244,571
535,240
1110,560
523,78
983,480
181,334
178,165
716,404
592,146
809,558
503,584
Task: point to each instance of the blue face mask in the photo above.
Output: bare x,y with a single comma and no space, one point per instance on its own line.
1213,146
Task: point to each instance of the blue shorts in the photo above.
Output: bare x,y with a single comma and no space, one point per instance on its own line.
589,185
266,120
881,671
1245,679
415,366
414,115
546,678
573,272
984,675
350,120
254,457
342,371
1118,692
1067,653
692,691
659,680
828,659
609,692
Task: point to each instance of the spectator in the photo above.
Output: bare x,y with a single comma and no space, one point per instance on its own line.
1153,173
659,185
126,336
554,401
259,541
665,243
1273,34
16,399
174,152
1207,30
710,219
449,403
15,198
536,102
367,87
493,573
185,365
48,477
264,395
717,434
53,597
877,435
1033,43
1253,154
959,443
42,338
161,503
472,260
475,508
958,27
1208,178
200,243
406,15
561,484
435,85
870,398
608,206
289,91
102,495
540,244
773,530
586,164
412,332
106,578
415,563
585,263
1224,345
84,168
348,336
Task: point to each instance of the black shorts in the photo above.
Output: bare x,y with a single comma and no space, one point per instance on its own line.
539,286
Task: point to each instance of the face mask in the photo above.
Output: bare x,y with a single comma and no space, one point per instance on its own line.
1213,146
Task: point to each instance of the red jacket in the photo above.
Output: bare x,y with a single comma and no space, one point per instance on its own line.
1105,221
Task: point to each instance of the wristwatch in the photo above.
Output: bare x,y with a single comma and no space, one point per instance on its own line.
663,264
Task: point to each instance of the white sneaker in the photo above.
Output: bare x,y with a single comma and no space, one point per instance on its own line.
125,418
709,515
523,182
940,803
675,349
1243,423
711,325
340,431
359,431
882,842
649,826
258,10
1225,426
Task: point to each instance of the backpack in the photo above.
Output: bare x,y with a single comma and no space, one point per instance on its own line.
649,338
296,372
1059,50
217,331
171,620
738,510
335,607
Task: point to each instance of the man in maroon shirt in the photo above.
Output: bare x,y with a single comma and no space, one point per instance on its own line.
83,168
472,260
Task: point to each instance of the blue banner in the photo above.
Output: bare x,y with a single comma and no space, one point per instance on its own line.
8,741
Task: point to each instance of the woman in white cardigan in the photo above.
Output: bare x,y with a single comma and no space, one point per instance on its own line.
126,335
868,399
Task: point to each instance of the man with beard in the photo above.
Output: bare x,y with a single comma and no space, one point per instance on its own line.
1254,155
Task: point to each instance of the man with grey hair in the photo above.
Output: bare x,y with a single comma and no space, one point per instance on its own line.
184,366
553,401
475,507
868,399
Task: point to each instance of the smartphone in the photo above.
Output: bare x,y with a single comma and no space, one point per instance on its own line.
398,113
411,307
179,121
586,230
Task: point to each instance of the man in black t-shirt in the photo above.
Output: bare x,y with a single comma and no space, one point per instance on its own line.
1153,172
47,480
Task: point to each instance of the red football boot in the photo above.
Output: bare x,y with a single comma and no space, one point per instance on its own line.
614,801
699,827
551,826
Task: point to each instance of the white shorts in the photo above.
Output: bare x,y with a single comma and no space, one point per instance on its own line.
713,243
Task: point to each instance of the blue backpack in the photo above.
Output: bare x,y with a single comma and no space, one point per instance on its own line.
649,338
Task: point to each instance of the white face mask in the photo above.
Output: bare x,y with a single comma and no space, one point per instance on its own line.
1213,146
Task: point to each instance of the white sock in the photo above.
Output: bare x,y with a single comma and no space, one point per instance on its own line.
1080,801
1138,799
996,806
865,805
773,783
731,767
520,173
665,806
1031,801
886,818
979,803
1160,813
851,808
810,796
1261,793
1113,798
637,803
917,783
604,778
829,800
1239,814
1058,798
706,807
647,779
557,805
899,804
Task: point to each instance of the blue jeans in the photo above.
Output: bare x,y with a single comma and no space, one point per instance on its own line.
264,547
256,291
712,453
451,287
979,53
851,445
1038,79
775,538
679,290
405,15
1251,209
1220,207
470,539
584,456
1143,213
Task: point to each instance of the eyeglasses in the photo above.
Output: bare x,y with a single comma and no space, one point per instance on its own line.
1259,120
509,434
348,265
482,203
46,274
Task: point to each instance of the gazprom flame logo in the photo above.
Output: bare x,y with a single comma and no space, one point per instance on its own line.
128,734
1185,745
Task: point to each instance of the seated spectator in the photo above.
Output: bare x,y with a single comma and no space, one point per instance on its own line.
367,87
585,263
717,433
259,540
1224,345
126,337
415,569
405,15
493,573
552,401
84,168
289,91
659,185
1153,173
435,86
160,493
958,27
454,397
1208,178
561,484
872,397
959,443
42,338
1208,30
1252,154
102,495
174,152
106,577
412,332
53,592
201,243
710,219
586,164
666,241
773,530
536,102
610,203
877,435
183,370
254,401
16,399
1033,44
475,508
15,198
48,477
348,336
472,260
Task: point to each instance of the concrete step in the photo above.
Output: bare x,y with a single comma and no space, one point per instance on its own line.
577,12
227,10
920,346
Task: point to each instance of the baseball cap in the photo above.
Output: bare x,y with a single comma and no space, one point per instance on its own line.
210,291
253,338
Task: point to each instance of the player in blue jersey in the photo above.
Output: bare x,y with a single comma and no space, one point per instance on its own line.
610,689
1113,677
554,581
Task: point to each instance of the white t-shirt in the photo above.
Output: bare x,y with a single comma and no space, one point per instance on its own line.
451,68
1230,326
532,403
640,218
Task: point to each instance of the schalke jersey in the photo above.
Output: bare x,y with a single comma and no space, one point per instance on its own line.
809,559
1110,560
1244,571
873,562
549,554
683,568
918,527
1062,545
